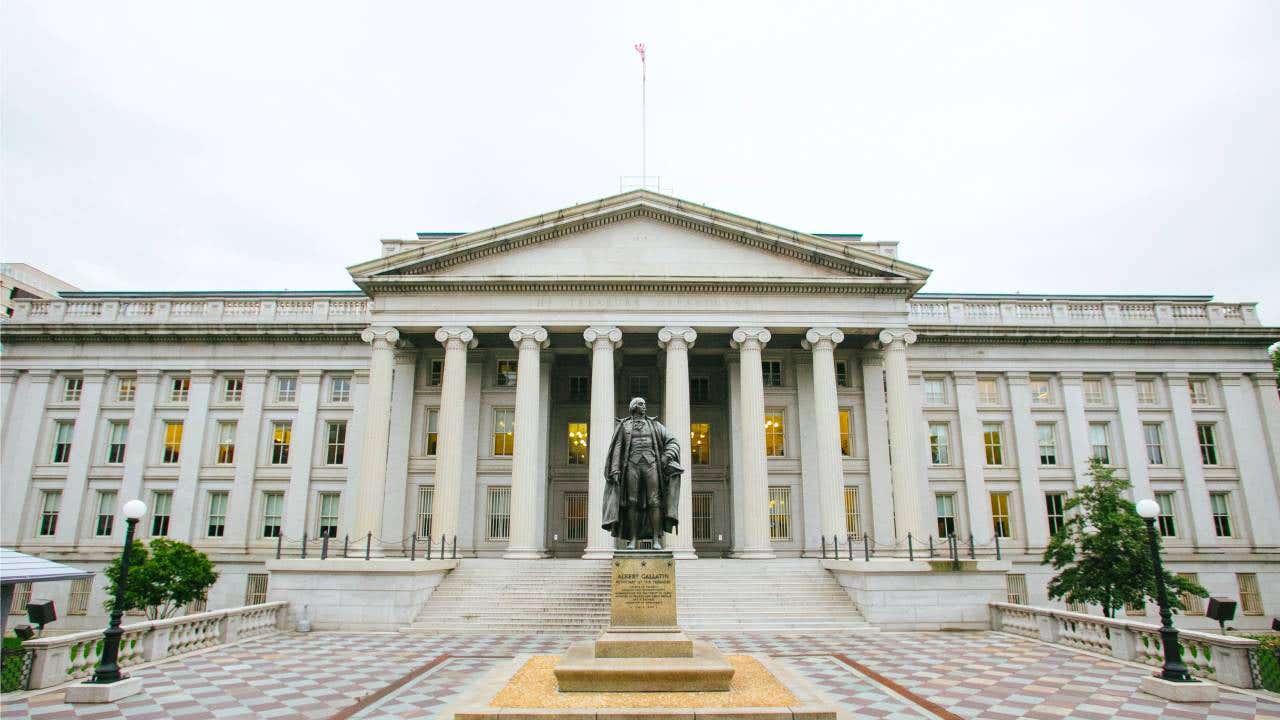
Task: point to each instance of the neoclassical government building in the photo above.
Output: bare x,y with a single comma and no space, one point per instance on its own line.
468,390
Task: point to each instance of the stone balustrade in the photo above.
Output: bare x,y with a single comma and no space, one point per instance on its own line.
925,310
61,658
1217,657
176,309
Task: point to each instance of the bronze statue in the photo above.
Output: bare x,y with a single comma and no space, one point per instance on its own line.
643,470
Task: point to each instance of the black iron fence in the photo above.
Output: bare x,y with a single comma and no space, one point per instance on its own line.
327,546
951,547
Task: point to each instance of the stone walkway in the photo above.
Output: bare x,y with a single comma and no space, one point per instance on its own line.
899,676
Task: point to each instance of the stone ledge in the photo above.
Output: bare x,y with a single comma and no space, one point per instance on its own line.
360,565
103,692
1185,692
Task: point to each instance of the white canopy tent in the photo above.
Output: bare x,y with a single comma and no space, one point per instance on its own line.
16,567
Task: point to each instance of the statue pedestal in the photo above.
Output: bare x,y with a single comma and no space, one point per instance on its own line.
644,649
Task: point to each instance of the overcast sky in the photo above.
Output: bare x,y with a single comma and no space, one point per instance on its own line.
1012,147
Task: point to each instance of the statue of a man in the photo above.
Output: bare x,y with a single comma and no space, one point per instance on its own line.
643,470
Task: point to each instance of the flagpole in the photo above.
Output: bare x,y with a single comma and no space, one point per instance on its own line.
644,117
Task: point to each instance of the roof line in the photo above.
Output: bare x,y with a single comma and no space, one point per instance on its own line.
210,293
1057,296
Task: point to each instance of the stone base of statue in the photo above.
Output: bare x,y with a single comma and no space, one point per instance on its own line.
644,649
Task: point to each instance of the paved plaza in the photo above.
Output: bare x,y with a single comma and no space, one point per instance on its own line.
872,675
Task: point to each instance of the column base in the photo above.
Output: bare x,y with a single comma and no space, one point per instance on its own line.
684,554
524,554
598,554
753,555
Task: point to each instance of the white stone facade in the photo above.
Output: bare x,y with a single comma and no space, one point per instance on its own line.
807,371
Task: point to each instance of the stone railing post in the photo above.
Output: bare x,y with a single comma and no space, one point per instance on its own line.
230,629
1123,643
49,666
1231,666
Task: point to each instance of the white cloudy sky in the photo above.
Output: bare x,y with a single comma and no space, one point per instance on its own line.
1018,146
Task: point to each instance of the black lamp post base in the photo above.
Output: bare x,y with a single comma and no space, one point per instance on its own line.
92,692
1190,691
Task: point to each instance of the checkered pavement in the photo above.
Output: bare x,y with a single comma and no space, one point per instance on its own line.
907,675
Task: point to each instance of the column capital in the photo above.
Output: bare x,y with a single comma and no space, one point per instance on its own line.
99,375
380,335
255,375
446,335
202,376
965,377
40,375
1124,377
360,375
602,334
1230,379
1019,377
1265,380
310,376
1177,376
677,334
529,333
822,338
1073,377
749,337
889,336
8,375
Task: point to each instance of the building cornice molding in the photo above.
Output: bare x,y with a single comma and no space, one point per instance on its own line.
626,284
61,333
968,335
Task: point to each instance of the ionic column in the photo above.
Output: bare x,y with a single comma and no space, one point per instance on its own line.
1135,445
397,507
974,456
1077,425
821,342
19,450
446,504
602,341
191,455
1184,430
906,496
878,473
1028,450
677,341
526,474
82,442
749,341
1249,440
373,456
8,380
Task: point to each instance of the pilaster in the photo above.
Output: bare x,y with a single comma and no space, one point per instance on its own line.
1250,445
191,455
8,381
19,450
1184,428
138,439
242,529
301,456
1035,517
1264,385
1135,446
973,454
82,445
1077,425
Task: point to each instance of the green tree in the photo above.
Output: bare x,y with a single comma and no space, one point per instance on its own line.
1101,552
162,579
1275,357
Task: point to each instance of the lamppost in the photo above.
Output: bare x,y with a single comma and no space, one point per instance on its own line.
1174,670
108,670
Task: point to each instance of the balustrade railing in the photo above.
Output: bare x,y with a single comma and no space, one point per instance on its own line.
1064,312
61,658
203,310
1218,657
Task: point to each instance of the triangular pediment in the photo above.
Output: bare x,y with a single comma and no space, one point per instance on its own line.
640,235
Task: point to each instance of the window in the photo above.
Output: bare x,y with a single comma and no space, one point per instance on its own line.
988,391
433,430
21,596
699,390
435,376
504,431
852,519
281,439
946,510
846,437
1094,393
1199,390
1191,604
499,513
1077,607
779,513
105,521
426,497
991,443
1165,521
774,432
1219,502
935,391
842,374
340,389
1137,610
62,433
1053,506
233,389
226,444
577,439
1041,391
506,376
172,442
1000,515
117,434
179,388
772,370
1208,445
286,389
701,516
335,448
197,606
327,522
216,525
1016,588
1100,442
72,387
1147,393
50,505
161,507
939,444
126,389
78,603
575,517
255,592
1047,437
638,386
272,514
700,443
1250,598
1152,435
579,389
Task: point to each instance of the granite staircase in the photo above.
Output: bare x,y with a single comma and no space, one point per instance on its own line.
571,597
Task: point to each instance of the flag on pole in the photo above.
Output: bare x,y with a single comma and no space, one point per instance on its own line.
640,49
